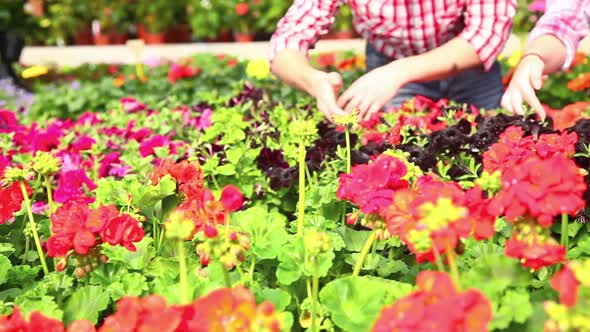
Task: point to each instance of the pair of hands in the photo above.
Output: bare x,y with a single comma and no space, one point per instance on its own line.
368,94
527,77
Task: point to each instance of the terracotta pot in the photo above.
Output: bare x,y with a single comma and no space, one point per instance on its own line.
101,39
154,38
339,35
179,34
140,30
83,37
118,38
241,37
225,36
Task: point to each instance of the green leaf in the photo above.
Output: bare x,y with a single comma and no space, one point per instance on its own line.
135,260
267,230
280,298
44,304
234,155
22,275
293,263
86,303
133,284
227,170
355,302
6,249
353,240
5,266
515,306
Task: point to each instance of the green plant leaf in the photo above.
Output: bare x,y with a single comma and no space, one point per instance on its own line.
280,298
86,303
5,266
355,302
135,260
133,284
267,230
515,306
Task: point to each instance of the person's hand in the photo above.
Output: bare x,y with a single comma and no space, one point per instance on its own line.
325,89
372,91
527,78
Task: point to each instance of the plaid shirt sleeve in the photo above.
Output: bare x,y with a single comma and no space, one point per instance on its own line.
564,19
303,23
487,27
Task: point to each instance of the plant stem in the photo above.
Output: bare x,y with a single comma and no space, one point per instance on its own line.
348,147
363,254
301,212
314,296
49,195
439,264
252,265
183,272
34,227
564,231
453,266
226,278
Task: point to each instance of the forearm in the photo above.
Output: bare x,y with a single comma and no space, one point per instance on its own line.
293,68
445,61
551,49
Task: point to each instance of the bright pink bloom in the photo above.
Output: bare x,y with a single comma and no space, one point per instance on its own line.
8,121
70,186
132,105
83,143
147,147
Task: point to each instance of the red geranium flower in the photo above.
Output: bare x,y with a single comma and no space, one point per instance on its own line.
11,200
178,71
188,176
242,8
372,186
229,310
533,246
123,230
533,187
37,322
148,314
567,285
436,306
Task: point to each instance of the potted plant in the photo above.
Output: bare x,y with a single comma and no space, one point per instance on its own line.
70,19
180,32
267,14
243,14
157,17
112,23
209,20
343,26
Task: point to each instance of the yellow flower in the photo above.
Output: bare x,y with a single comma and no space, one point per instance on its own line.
34,71
514,58
258,68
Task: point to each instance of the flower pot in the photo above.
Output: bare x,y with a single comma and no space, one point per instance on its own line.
243,37
118,38
225,36
179,34
83,37
154,38
11,46
102,39
339,35
140,30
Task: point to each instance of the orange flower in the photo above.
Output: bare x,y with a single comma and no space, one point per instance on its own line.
580,83
119,81
580,59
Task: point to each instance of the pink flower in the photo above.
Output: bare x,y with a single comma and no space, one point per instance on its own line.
88,118
107,163
70,186
8,121
537,6
131,105
83,143
148,146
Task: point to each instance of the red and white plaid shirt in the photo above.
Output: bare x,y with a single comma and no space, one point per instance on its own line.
568,21
402,28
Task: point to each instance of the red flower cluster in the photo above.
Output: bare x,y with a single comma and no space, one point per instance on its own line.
372,186
221,310
75,226
431,217
179,71
566,284
188,176
436,306
533,246
534,187
11,201
206,212
513,148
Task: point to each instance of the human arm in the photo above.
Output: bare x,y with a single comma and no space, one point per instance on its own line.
296,32
552,46
487,28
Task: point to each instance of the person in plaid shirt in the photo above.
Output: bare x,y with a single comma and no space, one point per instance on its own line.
436,48
552,46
